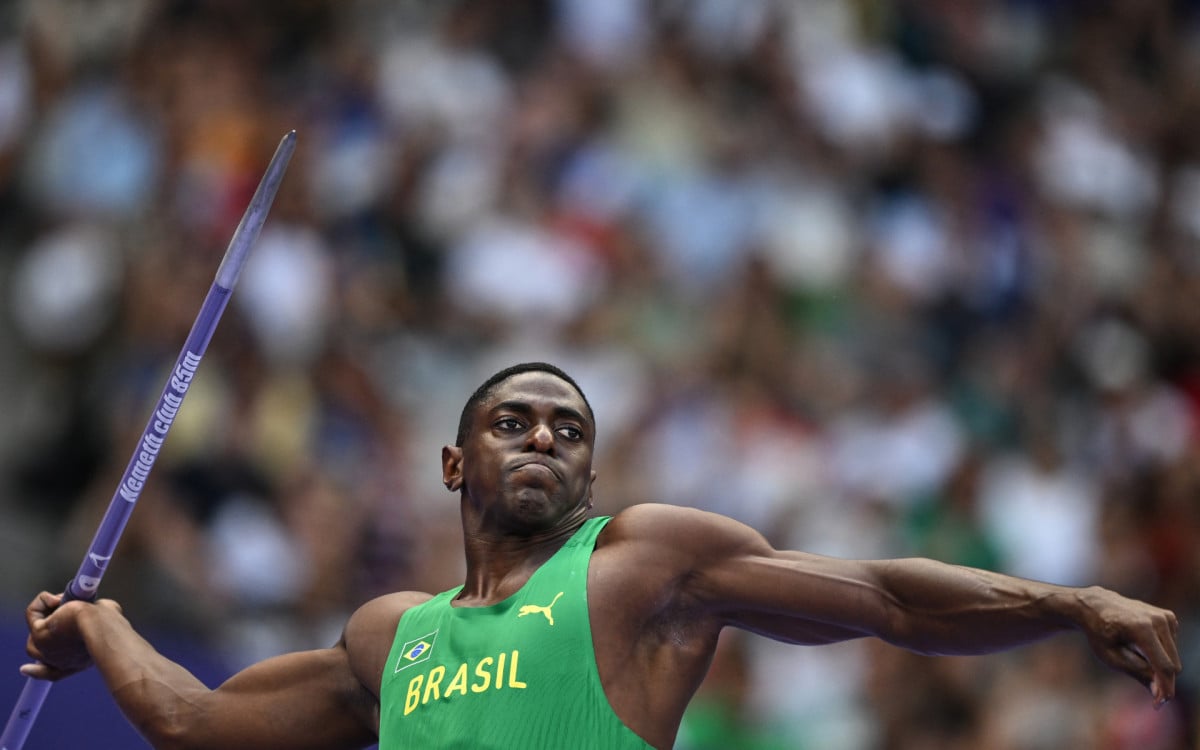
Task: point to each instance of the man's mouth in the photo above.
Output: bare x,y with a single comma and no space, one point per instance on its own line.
536,467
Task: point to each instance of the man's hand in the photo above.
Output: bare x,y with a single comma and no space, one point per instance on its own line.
54,637
1135,638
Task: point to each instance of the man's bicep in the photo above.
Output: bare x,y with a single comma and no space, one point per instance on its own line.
720,570
304,700
792,596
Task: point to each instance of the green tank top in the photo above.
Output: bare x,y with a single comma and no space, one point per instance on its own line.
518,674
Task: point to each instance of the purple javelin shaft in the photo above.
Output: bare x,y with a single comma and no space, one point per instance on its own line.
87,579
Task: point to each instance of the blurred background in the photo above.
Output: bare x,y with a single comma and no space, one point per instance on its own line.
889,278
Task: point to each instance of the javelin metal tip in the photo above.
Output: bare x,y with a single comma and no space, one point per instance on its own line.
256,213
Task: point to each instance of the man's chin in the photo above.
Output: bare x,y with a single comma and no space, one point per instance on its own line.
534,510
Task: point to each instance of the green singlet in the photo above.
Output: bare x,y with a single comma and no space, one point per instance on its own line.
518,674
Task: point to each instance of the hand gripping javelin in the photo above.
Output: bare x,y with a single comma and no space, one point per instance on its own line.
84,584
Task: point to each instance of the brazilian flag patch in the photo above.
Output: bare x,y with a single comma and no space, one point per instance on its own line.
416,651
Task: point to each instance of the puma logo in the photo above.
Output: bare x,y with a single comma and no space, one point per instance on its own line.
530,609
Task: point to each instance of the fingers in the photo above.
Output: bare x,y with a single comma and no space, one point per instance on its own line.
41,606
45,604
1129,660
39,671
1152,661
55,643
53,665
1162,653
1167,628
32,650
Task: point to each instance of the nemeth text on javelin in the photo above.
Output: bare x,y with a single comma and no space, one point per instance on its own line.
156,432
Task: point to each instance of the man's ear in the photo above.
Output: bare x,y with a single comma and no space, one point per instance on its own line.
591,483
452,467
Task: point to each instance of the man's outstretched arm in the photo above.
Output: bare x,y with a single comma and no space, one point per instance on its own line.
309,699
918,604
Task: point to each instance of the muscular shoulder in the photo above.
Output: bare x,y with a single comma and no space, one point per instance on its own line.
686,533
665,548
370,630
384,611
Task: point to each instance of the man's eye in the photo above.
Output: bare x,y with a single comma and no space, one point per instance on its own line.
507,424
571,433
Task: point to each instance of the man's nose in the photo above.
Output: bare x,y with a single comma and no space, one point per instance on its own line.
541,438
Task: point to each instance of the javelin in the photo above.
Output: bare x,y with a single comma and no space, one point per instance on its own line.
87,580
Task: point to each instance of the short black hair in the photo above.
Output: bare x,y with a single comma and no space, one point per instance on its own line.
489,385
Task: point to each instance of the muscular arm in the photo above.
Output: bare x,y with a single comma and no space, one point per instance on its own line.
311,699
729,571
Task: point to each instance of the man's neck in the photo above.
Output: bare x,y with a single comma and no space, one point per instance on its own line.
499,564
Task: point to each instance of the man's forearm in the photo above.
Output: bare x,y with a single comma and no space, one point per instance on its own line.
946,609
155,694
949,609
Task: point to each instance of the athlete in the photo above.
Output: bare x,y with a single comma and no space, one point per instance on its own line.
572,630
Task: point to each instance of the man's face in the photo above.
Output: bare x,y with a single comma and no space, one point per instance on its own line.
526,462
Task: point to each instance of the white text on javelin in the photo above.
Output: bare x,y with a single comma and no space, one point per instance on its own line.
164,415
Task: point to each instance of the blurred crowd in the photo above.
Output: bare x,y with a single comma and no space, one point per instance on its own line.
879,278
